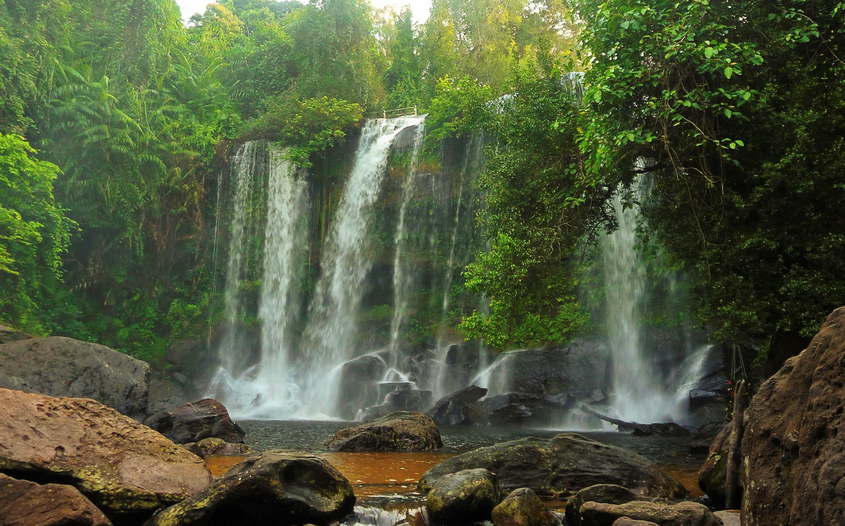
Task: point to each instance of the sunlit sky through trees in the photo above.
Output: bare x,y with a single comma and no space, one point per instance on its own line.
420,8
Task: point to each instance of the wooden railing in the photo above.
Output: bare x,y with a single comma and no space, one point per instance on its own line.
397,112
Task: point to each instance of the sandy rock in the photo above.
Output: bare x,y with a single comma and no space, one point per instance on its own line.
463,498
625,521
400,431
683,514
122,466
793,459
522,508
277,487
66,367
560,467
604,493
24,503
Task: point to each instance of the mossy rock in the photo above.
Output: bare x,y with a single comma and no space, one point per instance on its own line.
464,497
522,508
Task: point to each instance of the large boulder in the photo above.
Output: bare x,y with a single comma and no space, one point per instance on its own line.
125,468
278,487
525,409
793,459
465,497
66,367
560,467
194,421
459,408
578,368
662,514
359,383
400,431
522,508
713,474
8,334
25,503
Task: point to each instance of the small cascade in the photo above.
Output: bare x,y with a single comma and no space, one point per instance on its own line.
330,333
402,273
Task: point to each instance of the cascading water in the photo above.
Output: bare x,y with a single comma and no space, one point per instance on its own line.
402,274
329,337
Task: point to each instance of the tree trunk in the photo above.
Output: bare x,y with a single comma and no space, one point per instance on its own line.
733,491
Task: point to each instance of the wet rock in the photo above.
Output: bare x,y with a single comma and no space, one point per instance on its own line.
195,421
560,467
793,459
625,521
662,514
167,393
24,503
713,474
400,431
66,367
277,487
359,384
464,497
729,517
217,447
459,408
578,368
605,493
522,508
125,468
524,409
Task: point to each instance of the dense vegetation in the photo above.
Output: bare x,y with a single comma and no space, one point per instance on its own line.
115,119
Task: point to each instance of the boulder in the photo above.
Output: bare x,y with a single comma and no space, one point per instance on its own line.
560,467
525,409
122,466
662,514
465,497
625,521
195,421
729,517
713,474
277,487
359,384
459,408
793,459
605,493
217,447
168,393
24,503
522,508
400,431
66,367
578,368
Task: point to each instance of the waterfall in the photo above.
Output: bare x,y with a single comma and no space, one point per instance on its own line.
346,261
285,243
402,273
243,176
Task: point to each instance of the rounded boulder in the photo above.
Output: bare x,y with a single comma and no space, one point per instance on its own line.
464,497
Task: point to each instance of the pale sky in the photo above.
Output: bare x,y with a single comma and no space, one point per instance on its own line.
419,8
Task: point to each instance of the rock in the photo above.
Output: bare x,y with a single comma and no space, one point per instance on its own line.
522,409
713,474
7,334
625,521
604,493
793,459
359,384
459,408
729,517
24,503
522,508
662,514
122,466
194,421
183,355
560,467
578,368
400,431
277,487
66,367
217,447
464,497
167,394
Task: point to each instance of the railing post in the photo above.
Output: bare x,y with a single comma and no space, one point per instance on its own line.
384,113
415,110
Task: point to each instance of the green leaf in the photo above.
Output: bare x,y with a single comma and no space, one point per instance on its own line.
708,52
729,71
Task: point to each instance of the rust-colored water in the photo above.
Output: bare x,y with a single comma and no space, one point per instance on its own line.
370,473
387,473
